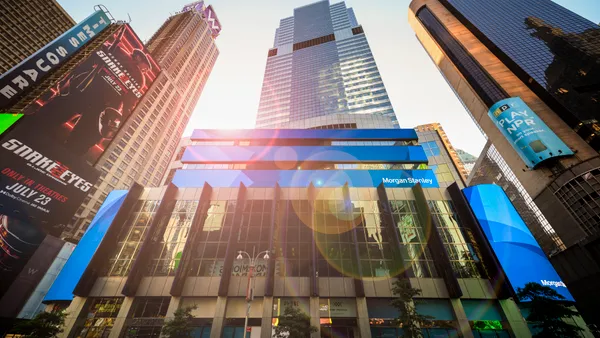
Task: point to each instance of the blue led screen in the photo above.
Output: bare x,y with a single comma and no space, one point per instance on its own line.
332,154
67,279
527,133
518,252
324,134
303,178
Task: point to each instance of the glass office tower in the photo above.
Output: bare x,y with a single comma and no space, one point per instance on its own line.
321,73
548,57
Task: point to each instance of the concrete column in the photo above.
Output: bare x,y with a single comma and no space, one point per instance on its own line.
515,319
173,306
267,318
461,317
73,312
217,326
362,317
315,317
115,332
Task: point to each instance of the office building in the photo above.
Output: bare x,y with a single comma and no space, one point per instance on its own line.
27,26
467,160
454,155
338,232
547,56
184,47
321,73
491,168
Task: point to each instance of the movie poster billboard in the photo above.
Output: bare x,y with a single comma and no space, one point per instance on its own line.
39,183
45,172
86,108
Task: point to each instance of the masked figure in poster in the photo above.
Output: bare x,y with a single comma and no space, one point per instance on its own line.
91,104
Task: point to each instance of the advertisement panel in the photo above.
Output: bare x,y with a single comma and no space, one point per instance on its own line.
63,286
526,132
39,183
209,15
18,241
87,106
7,120
303,178
31,71
516,249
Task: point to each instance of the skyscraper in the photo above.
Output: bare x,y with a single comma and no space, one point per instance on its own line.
540,63
321,73
184,47
27,26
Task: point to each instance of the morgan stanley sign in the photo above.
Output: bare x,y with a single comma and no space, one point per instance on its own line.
527,133
28,73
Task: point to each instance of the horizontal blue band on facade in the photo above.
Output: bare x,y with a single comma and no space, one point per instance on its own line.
330,154
303,178
325,134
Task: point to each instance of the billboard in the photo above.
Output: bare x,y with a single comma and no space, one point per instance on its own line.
24,76
517,251
303,178
18,241
40,183
63,286
7,120
527,133
84,110
209,15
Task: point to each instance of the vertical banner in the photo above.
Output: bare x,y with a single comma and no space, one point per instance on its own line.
527,133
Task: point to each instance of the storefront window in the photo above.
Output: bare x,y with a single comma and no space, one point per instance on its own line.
99,318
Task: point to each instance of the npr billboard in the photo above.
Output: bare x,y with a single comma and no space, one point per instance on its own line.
528,134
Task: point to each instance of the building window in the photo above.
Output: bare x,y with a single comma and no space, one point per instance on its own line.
211,244
100,317
418,261
169,251
150,307
442,173
461,253
374,250
254,235
131,238
431,148
292,255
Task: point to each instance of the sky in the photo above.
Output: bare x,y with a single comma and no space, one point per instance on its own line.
230,99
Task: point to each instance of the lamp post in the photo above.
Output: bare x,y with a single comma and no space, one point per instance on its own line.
250,288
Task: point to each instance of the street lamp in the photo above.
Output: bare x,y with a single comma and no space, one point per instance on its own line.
250,288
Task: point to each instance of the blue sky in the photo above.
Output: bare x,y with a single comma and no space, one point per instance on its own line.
230,99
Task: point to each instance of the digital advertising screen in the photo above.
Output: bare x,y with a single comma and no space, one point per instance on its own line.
531,138
26,75
87,106
67,279
303,178
517,251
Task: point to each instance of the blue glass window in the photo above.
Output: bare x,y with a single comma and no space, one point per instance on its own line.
431,148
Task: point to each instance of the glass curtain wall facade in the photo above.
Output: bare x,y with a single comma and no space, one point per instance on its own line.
320,67
337,243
